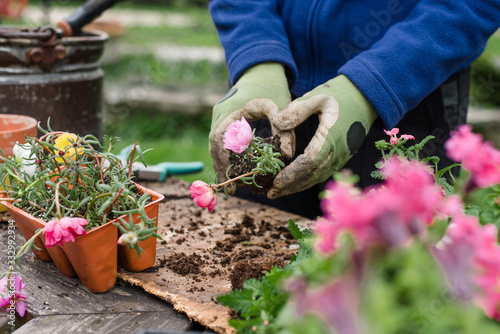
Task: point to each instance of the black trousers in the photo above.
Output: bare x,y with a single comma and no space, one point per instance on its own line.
438,114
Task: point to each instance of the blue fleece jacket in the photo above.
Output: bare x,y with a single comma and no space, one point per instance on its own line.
395,51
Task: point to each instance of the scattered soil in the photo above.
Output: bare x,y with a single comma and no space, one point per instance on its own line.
242,258
242,164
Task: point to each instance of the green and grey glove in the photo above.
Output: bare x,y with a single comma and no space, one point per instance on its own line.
260,93
345,116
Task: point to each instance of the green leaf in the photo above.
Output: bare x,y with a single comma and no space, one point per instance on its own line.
295,230
441,172
239,300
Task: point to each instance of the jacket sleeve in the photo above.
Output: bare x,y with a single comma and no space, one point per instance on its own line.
251,32
438,38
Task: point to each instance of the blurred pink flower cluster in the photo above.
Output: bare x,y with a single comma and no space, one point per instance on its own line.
408,201
470,257
480,158
390,213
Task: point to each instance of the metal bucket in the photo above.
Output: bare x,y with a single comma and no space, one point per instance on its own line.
45,75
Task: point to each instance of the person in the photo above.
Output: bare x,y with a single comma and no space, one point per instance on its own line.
337,73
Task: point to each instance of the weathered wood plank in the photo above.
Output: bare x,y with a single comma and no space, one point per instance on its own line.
103,323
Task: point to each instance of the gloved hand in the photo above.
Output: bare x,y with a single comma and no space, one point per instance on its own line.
260,93
345,116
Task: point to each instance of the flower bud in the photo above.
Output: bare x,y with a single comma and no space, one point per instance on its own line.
129,238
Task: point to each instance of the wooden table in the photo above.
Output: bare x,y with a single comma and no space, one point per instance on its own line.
59,304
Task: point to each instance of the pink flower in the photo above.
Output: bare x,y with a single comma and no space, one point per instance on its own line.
480,158
203,195
393,132
394,139
407,137
341,214
336,303
65,229
10,294
410,189
238,136
452,206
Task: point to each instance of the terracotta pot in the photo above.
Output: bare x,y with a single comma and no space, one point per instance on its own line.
94,257
13,128
28,225
128,257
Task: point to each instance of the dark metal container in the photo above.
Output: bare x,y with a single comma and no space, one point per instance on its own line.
45,75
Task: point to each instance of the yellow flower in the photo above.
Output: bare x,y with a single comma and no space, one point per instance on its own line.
65,143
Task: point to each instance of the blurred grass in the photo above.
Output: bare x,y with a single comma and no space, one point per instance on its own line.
172,138
146,69
485,76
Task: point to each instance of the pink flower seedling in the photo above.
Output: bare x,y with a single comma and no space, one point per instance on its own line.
65,229
394,139
238,136
203,195
10,294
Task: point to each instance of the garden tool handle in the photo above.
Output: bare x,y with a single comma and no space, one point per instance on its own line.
83,15
176,168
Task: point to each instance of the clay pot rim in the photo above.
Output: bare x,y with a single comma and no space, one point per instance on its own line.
153,193
29,122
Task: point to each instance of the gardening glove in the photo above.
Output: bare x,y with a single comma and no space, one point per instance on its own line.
260,93
345,116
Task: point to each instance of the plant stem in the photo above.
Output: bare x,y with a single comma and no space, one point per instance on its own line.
40,179
15,176
131,160
114,201
30,241
39,142
220,185
7,199
58,208
257,148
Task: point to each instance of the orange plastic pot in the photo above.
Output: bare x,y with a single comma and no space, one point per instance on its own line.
28,225
94,257
128,257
